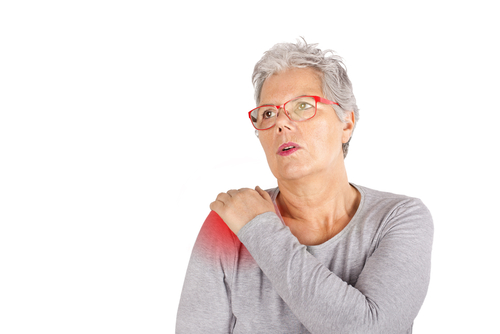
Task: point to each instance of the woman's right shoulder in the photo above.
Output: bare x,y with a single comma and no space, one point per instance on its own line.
215,238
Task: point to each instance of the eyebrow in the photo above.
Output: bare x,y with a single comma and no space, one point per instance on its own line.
271,104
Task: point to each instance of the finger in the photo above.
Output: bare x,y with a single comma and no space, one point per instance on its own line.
223,197
235,193
216,206
263,193
232,192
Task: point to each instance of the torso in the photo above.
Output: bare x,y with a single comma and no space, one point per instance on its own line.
311,238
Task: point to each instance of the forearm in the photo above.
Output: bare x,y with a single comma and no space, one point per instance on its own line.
322,301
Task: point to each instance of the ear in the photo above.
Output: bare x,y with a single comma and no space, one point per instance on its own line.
348,126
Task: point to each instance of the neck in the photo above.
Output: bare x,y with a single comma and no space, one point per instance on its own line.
318,204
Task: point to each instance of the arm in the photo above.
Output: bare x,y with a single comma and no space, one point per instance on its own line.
205,305
389,291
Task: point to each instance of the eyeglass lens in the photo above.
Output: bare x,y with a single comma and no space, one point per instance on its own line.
299,109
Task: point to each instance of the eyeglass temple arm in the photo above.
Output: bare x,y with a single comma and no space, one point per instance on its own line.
325,101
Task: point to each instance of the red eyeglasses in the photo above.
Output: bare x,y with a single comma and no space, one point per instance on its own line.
298,109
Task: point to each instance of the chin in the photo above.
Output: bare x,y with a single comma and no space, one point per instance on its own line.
292,172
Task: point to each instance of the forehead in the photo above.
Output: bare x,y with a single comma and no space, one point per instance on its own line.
287,84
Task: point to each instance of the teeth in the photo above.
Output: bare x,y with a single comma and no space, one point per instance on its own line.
287,148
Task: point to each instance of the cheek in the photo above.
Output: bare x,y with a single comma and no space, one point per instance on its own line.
266,146
325,137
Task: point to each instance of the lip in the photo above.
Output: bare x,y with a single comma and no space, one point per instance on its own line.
290,151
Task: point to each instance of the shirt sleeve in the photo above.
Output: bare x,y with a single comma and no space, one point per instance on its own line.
205,304
388,293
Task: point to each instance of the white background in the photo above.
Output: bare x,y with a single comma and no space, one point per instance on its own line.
122,120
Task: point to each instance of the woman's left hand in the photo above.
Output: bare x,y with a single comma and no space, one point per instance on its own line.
238,207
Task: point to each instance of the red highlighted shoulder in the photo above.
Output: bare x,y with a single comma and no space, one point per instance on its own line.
216,239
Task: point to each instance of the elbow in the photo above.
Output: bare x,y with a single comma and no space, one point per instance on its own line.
375,319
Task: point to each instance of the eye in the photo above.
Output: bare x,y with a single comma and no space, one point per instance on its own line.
303,106
268,113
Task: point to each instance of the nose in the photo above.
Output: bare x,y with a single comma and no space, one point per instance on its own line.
283,121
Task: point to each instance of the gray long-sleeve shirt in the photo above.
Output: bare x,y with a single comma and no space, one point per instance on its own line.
372,277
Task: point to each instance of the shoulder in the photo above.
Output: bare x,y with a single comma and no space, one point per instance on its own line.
391,209
273,192
215,239
383,199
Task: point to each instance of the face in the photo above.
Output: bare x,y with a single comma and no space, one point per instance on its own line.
319,138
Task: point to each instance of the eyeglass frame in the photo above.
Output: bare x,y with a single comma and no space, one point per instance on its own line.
316,99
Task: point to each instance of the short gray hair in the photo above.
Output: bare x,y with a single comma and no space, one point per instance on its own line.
336,84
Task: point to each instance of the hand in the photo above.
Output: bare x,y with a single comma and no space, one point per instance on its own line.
238,207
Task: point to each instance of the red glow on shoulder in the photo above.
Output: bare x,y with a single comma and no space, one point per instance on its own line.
216,240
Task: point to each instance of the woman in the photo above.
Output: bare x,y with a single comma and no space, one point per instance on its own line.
317,254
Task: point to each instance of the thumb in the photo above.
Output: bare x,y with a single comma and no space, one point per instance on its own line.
264,194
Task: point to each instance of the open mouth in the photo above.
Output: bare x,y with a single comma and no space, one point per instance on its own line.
288,148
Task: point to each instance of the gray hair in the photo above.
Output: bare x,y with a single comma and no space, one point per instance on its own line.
336,84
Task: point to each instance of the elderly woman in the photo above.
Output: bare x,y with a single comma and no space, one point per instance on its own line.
317,254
